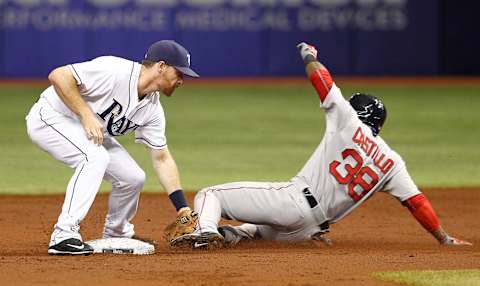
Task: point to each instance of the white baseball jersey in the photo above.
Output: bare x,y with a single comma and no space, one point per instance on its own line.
351,164
109,85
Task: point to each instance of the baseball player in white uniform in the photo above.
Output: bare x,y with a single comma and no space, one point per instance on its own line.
76,120
351,164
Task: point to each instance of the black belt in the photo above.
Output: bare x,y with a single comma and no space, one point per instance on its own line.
310,198
324,227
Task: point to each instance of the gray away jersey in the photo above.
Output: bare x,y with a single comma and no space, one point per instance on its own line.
351,164
109,86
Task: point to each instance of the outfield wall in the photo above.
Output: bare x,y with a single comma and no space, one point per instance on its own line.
243,37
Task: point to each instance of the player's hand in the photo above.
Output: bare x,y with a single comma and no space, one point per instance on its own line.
93,129
308,52
320,240
454,241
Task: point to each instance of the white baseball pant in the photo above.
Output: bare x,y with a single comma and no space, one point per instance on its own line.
275,211
64,139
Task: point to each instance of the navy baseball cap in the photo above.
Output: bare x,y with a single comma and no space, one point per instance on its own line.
173,54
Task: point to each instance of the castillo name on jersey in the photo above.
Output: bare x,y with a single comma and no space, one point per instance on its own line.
371,149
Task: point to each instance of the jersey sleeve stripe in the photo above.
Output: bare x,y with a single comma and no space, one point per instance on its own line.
149,143
322,82
130,85
76,75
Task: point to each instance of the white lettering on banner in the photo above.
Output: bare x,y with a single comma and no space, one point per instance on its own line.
15,19
58,2
161,3
292,3
266,3
108,3
30,3
203,2
242,15
210,3
231,19
365,20
330,3
47,19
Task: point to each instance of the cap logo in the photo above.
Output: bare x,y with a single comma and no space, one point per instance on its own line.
188,59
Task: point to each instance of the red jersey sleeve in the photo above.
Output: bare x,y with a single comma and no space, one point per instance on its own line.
422,210
322,82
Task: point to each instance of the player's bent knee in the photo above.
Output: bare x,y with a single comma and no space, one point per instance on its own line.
206,193
198,195
136,179
98,156
202,193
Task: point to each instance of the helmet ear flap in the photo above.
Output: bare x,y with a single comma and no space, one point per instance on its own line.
370,110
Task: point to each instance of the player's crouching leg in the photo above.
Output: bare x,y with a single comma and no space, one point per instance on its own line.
123,202
81,192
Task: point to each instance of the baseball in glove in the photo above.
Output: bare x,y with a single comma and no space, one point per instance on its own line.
184,224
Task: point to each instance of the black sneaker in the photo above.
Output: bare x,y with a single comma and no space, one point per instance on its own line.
71,246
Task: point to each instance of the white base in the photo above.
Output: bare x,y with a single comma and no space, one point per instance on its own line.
121,245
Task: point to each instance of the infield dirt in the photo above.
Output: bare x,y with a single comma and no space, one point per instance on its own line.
380,236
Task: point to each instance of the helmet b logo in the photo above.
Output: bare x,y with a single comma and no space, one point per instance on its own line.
188,59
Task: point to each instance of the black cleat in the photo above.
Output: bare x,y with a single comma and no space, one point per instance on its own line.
209,240
206,240
71,246
184,241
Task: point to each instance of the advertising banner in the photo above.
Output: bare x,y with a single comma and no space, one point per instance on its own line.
224,37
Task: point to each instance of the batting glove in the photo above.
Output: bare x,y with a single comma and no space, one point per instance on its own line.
308,53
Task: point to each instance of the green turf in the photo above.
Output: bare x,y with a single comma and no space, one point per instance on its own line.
223,134
432,278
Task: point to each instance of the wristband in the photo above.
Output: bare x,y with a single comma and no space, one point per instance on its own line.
178,199
309,58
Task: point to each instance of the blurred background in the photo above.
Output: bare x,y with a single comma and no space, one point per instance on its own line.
246,37
253,115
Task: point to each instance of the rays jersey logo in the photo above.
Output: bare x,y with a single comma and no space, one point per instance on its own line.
117,126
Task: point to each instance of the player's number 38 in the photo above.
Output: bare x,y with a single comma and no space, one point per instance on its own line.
355,174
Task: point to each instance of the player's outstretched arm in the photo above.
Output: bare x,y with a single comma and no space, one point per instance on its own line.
422,210
169,177
317,73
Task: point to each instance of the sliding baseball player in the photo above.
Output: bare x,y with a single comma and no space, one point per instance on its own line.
350,165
